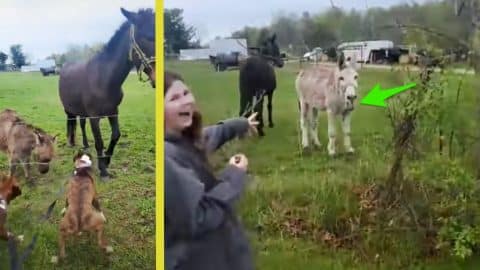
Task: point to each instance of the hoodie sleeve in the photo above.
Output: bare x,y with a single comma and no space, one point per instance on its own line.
189,210
217,135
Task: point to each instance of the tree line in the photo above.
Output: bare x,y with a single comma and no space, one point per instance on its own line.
298,33
17,56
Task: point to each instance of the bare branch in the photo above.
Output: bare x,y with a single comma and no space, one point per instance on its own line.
458,7
331,2
398,24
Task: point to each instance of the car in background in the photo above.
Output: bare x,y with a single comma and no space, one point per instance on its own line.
314,55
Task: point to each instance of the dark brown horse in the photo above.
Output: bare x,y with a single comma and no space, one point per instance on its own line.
93,89
257,79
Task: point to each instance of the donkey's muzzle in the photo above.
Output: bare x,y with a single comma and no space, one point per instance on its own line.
352,98
151,76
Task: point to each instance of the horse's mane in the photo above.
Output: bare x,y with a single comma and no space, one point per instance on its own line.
115,39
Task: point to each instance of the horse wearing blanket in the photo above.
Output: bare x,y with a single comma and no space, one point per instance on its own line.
330,89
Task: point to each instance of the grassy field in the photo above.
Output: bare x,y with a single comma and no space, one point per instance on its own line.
293,194
128,200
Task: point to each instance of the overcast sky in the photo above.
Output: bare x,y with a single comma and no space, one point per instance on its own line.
44,27
222,17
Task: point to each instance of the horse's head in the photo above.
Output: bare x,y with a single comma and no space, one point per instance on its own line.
271,50
142,38
347,80
44,150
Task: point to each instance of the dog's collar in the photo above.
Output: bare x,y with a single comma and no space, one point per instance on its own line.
81,168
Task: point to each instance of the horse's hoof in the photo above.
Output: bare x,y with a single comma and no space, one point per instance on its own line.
107,160
261,133
271,125
105,178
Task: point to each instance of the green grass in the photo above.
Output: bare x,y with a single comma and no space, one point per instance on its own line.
128,200
315,189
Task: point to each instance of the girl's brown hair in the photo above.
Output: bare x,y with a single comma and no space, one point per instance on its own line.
194,131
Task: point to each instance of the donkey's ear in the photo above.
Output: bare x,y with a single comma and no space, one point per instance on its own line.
341,61
353,62
54,138
39,138
131,16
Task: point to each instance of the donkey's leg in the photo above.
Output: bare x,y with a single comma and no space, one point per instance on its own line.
113,120
259,110
346,133
97,135
304,123
331,133
71,126
27,168
13,165
314,126
61,243
269,107
84,133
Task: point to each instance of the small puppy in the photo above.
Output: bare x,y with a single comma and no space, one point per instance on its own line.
82,211
9,190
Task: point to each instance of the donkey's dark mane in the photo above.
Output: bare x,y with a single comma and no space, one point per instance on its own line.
20,121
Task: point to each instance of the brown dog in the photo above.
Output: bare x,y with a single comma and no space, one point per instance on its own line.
9,190
82,212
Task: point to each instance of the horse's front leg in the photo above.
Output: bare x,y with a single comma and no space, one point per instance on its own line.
97,135
331,132
84,133
71,126
259,110
113,139
269,107
346,133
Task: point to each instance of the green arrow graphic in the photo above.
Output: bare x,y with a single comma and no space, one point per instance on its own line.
377,96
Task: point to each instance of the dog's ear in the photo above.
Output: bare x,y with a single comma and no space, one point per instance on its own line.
16,191
78,155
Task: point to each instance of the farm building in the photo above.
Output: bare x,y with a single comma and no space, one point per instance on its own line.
227,46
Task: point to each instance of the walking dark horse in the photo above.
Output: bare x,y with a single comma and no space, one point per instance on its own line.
257,79
93,89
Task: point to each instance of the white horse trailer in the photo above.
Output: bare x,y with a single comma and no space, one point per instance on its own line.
361,49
